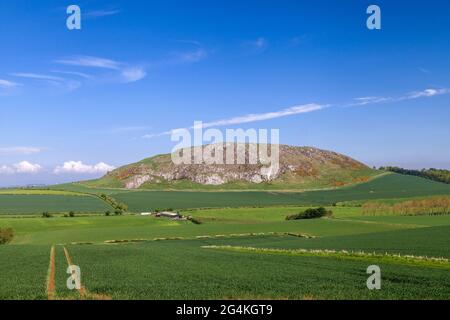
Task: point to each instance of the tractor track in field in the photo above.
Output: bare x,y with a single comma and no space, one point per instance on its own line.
51,275
84,293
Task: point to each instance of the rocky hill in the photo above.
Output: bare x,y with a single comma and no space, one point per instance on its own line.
298,168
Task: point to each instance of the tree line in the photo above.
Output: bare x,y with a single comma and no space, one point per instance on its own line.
440,175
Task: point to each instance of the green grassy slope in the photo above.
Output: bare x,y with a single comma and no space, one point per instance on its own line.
383,187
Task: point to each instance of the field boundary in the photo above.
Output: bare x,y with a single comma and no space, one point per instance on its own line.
420,261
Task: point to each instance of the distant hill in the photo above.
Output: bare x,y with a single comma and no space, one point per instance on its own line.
300,168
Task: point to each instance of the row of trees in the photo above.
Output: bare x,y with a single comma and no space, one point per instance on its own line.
440,175
118,206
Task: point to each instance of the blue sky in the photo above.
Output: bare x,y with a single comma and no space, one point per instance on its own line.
75,103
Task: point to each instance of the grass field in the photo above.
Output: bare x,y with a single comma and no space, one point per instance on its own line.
53,203
383,187
237,252
183,269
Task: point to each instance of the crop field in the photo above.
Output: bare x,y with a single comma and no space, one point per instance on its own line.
53,203
384,187
98,229
185,269
236,252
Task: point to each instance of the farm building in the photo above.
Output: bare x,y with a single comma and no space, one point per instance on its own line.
167,214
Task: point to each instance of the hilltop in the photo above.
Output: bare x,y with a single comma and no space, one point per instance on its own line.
300,168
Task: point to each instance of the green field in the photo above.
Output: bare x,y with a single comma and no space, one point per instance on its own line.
384,187
53,203
243,249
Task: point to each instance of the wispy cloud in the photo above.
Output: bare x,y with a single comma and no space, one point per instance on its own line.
125,72
8,87
73,73
191,56
192,42
68,84
37,76
306,108
297,41
368,100
101,13
6,84
253,117
258,45
90,61
427,93
11,151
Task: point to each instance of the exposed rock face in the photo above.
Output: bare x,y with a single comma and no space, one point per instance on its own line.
293,162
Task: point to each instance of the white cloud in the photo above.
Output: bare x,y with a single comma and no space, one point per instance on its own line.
19,150
6,170
79,167
133,74
27,167
427,93
21,167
